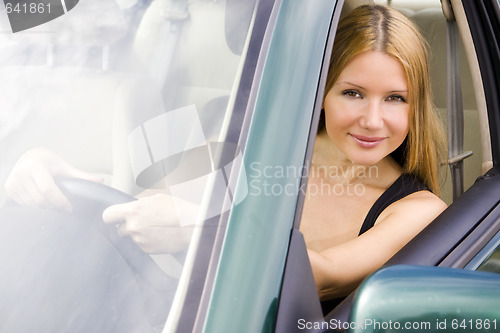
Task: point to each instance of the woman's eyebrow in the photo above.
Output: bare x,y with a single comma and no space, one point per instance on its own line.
351,84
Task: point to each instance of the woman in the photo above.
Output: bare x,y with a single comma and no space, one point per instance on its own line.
377,151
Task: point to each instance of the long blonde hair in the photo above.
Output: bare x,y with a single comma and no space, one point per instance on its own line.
379,28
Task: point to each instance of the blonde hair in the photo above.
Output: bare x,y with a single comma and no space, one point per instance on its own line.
378,28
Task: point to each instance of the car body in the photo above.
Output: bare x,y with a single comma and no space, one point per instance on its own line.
243,82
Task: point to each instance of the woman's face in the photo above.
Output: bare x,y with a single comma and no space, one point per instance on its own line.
366,110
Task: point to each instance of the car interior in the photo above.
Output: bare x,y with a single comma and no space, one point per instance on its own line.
123,72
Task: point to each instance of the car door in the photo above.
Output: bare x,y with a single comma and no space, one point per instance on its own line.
263,275
466,234
264,266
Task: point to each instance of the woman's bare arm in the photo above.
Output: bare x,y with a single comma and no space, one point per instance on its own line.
339,269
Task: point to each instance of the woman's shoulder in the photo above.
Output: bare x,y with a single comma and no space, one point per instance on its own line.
420,199
419,194
419,204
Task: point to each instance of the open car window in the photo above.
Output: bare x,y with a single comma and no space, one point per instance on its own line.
429,17
466,234
140,93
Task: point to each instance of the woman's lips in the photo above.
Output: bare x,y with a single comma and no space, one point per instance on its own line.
367,141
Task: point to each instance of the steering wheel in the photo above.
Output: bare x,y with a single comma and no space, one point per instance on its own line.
89,200
90,197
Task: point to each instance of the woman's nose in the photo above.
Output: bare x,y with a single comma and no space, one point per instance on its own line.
372,117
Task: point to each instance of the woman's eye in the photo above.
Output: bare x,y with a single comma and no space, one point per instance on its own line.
351,93
396,98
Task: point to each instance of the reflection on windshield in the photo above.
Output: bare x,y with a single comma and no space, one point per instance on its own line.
129,97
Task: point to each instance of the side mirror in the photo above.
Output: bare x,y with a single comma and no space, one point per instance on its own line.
426,299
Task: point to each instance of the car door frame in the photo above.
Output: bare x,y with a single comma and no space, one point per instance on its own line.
257,238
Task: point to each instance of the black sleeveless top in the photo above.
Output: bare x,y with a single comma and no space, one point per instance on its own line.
405,185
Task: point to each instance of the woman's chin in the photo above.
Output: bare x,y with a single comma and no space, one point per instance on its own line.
365,160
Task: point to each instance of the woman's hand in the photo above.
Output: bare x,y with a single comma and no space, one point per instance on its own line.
152,224
31,181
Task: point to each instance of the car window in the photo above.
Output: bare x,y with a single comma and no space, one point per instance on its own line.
141,94
429,17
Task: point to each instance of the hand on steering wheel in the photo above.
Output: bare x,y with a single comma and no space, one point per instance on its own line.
31,181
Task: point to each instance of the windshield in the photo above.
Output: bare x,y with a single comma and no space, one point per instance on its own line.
138,93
